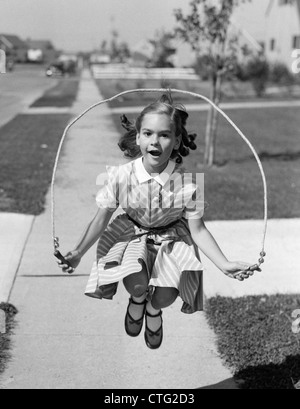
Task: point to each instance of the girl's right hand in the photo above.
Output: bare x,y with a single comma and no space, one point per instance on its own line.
239,270
74,258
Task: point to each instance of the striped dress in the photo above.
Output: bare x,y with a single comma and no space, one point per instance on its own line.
152,233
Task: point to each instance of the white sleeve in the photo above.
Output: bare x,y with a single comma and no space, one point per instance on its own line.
195,206
107,197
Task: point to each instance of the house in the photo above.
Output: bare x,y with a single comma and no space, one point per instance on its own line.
282,31
100,57
41,51
13,47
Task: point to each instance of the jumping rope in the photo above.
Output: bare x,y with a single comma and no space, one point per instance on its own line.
173,91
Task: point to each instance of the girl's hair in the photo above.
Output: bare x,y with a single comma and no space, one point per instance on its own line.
178,116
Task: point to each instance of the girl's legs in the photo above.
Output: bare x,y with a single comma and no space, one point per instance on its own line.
163,297
137,285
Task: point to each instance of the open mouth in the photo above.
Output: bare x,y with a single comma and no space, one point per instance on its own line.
155,154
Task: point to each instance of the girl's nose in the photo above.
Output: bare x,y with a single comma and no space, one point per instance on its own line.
155,140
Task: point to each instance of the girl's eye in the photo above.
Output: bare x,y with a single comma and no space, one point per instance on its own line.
147,133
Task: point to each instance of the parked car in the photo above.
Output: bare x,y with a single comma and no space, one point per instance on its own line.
55,69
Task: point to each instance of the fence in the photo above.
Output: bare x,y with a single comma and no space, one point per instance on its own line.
121,71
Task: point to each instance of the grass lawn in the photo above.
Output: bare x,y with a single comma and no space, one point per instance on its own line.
234,188
28,148
62,95
256,340
10,312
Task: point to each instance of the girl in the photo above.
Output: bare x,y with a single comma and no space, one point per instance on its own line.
153,247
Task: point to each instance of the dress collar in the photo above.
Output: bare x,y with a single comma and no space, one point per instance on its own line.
162,178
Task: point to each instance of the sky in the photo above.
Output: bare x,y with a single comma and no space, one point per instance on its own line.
74,25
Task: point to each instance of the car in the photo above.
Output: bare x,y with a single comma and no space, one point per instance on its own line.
55,69
61,68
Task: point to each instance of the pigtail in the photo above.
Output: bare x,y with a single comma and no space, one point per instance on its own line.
127,142
188,140
126,123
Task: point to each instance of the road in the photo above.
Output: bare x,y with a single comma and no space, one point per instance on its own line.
20,89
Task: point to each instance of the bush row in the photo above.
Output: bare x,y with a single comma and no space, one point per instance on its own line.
256,70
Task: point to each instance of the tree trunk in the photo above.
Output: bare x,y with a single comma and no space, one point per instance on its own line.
207,148
208,160
212,122
215,119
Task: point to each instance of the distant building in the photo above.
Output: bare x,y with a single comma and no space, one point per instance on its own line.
41,51
100,57
282,30
14,47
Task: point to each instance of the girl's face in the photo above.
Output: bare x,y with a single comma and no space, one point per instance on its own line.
157,140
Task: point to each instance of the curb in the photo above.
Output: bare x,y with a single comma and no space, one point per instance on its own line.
15,231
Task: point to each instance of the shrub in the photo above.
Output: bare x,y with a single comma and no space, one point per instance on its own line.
202,67
257,70
241,73
280,74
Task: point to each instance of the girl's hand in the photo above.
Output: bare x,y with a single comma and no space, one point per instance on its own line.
74,258
238,270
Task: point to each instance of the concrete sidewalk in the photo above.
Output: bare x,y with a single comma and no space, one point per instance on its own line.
226,106
65,340
241,240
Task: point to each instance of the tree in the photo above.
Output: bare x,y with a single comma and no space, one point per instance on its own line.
114,48
119,52
207,29
163,49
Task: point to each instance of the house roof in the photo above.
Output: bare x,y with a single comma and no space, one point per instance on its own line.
39,44
12,41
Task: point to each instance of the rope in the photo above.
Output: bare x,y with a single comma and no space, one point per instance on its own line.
174,91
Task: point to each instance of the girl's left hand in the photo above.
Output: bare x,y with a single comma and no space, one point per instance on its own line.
238,270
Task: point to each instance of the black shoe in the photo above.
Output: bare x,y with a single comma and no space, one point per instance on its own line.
154,338
134,327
